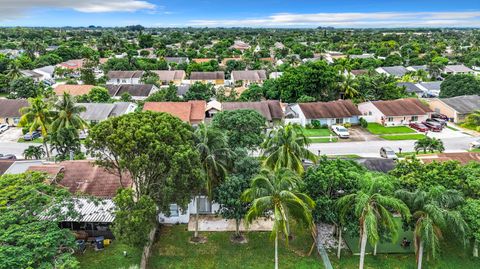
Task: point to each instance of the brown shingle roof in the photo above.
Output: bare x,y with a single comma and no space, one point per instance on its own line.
74,90
169,75
402,107
334,109
207,75
270,110
11,107
124,74
190,111
86,178
250,75
4,165
462,157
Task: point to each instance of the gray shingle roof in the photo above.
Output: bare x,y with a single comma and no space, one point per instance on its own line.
397,71
124,74
410,87
463,104
101,111
431,85
133,89
11,107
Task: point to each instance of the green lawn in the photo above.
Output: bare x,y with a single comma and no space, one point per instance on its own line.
110,258
36,140
3,94
379,129
317,132
323,139
173,250
420,153
346,156
403,137
475,150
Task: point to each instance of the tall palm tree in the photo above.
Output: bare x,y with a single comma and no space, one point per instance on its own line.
374,209
68,114
348,86
434,213
13,71
212,145
276,192
39,116
286,147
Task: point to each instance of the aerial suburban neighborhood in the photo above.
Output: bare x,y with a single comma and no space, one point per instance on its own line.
142,134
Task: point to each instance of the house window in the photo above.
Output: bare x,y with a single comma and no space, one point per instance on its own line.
124,81
16,121
339,121
204,205
414,118
370,113
174,210
390,119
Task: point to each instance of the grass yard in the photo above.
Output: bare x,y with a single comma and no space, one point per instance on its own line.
475,150
111,257
173,250
36,140
378,129
323,139
317,132
403,137
3,94
346,156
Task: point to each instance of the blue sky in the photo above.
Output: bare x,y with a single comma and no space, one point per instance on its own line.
259,13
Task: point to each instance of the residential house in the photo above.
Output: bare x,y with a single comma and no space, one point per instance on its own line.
170,76
240,45
326,113
431,88
362,56
275,75
97,112
177,60
216,78
415,68
47,72
395,71
248,77
213,107
395,112
136,91
457,69
21,166
358,72
74,90
32,74
203,60
124,77
182,90
331,56
75,64
4,165
192,112
456,108
412,88
271,110
10,110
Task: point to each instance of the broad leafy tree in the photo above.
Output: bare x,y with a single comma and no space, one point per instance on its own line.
200,91
461,84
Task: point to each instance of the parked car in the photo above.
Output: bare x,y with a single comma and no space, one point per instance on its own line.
341,131
439,121
439,116
32,136
433,126
418,126
388,153
7,157
475,144
3,127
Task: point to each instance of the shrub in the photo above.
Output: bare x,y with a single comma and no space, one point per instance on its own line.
363,123
309,126
347,125
316,124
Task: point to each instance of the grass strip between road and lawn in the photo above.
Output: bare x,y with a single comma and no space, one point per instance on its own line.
36,140
403,137
323,139
378,129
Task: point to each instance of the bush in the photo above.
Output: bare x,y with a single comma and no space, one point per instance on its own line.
363,123
309,126
316,124
347,125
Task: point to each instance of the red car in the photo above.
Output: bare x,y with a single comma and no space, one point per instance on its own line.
419,127
434,127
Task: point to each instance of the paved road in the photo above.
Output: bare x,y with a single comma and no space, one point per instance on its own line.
15,148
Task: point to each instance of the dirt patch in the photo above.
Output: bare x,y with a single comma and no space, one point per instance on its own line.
241,239
198,240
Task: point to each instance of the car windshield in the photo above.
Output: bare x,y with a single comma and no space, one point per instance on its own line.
342,129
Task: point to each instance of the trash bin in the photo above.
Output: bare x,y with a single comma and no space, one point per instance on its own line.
99,242
107,242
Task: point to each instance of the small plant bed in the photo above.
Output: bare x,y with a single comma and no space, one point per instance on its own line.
174,250
403,137
379,129
111,257
317,132
36,140
323,140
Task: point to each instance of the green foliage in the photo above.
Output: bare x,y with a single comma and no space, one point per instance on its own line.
64,141
243,127
34,152
200,91
379,87
429,144
134,217
363,122
316,124
164,95
27,240
252,94
96,95
471,213
24,87
461,84
126,97
472,121
158,151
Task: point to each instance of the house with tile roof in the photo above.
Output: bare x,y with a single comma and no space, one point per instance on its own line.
192,112
395,112
456,108
10,110
124,77
74,90
327,113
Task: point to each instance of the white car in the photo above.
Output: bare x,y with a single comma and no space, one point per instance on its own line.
3,127
388,153
475,144
341,131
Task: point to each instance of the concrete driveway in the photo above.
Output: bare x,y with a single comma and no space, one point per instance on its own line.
11,135
360,134
448,133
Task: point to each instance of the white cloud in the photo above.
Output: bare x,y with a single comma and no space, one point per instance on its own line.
373,19
12,9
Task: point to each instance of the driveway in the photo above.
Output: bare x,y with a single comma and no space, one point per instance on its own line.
11,135
360,134
448,133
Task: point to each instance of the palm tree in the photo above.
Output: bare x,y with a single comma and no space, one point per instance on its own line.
212,145
38,116
435,69
276,193
373,209
430,144
68,114
348,86
286,147
34,152
434,213
13,71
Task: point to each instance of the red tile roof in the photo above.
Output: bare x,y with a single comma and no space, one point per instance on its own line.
191,111
402,107
74,90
